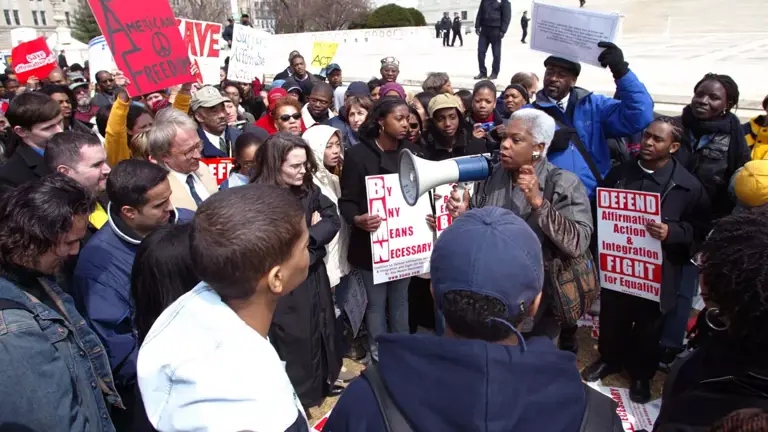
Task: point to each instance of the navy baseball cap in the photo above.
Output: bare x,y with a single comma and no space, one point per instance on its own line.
332,67
489,251
358,88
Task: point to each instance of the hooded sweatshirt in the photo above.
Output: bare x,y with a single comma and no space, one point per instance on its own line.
336,258
445,384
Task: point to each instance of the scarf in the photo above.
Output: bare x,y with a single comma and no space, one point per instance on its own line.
726,125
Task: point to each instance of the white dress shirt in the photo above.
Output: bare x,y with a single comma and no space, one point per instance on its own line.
202,368
200,188
564,101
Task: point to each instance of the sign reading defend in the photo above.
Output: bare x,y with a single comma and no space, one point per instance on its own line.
630,259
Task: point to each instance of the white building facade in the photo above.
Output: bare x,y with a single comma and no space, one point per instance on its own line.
467,9
40,15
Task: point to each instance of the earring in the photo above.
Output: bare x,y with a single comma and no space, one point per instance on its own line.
536,155
708,319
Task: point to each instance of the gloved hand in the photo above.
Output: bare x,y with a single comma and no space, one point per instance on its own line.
501,35
613,58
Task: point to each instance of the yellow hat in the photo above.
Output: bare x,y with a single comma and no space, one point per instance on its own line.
443,100
751,183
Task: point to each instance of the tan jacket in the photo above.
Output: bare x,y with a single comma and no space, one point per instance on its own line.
180,196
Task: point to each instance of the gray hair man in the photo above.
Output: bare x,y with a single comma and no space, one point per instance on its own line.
175,144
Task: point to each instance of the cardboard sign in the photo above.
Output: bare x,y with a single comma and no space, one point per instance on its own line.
99,57
33,58
630,259
204,42
250,49
145,43
402,245
323,53
220,168
572,33
634,416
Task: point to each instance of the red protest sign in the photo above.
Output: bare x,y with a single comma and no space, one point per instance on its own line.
145,42
219,167
32,58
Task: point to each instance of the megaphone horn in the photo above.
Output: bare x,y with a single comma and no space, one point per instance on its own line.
417,175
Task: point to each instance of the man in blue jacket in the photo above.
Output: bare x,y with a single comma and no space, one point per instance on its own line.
139,201
487,276
218,137
585,119
491,23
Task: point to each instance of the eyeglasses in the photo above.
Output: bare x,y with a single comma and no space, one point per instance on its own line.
190,153
286,117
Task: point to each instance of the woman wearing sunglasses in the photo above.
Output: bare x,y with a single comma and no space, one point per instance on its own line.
287,116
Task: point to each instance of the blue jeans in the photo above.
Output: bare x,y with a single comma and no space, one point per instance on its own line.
676,320
396,293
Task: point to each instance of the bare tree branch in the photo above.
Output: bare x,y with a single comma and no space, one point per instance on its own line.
316,15
201,10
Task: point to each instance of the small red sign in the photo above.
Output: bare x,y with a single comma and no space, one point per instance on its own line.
33,58
220,168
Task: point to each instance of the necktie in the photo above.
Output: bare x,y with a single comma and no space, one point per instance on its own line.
223,146
561,106
192,190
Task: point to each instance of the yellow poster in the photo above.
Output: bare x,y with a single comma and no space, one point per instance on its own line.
322,54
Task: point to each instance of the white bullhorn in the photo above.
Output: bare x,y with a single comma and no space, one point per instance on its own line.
417,175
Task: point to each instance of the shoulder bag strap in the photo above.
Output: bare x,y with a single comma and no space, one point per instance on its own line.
576,140
393,418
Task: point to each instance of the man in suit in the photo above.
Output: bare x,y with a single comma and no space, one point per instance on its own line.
34,117
175,144
208,109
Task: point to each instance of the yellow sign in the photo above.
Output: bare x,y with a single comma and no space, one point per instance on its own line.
322,53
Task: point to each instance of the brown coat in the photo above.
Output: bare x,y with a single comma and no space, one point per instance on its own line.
180,196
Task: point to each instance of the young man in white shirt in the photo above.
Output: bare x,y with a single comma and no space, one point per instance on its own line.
207,364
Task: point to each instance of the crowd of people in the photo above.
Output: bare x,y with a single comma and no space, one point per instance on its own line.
136,294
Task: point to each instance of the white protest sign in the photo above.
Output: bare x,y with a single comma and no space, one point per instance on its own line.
572,33
99,57
250,49
402,245
204,42
630,259
442,218
634,416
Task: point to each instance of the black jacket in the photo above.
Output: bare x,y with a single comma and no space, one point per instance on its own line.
24,166
445,23
494,14
228,32
457,25
362,160
83,127
284,74
467,145
303,325
524,21
685,208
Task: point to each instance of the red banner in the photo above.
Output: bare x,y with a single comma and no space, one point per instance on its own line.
32,58
219,167
145,43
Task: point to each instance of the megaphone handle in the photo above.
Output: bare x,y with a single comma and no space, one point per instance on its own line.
432,202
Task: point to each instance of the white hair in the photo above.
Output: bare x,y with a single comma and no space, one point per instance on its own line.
164,129
538,123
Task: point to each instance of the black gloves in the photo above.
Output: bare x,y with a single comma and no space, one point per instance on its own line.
613,58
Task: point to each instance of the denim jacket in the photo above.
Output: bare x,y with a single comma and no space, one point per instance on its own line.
55,374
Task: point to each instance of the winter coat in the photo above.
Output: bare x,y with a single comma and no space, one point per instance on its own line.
211,150
447,384
685,209
25,165
494,14
466,145
308,121
756,133
336,258
456,25
445,24
595,118
363,160
303,328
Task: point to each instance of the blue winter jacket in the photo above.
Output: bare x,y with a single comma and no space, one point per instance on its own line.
595,118
211,150
444,384
102,292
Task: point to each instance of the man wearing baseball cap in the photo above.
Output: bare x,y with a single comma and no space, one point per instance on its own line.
333,75
84,110
208,110
487,277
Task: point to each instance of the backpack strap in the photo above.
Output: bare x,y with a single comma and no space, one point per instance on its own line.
12,304
599,413
393,418
576,140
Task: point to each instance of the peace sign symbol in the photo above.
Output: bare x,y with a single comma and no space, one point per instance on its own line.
161,44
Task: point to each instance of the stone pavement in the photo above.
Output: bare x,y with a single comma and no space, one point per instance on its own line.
670,44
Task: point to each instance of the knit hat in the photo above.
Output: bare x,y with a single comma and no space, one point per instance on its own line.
392,86
443,100
570,66
520,89
493,252
750,184
358,88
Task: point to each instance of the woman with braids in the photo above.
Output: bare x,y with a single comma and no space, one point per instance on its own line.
630,325
716,147
303,329
729,371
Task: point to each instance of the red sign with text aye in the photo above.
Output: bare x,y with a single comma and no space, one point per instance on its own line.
145,42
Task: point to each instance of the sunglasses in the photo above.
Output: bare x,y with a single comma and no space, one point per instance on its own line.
286,117
413,125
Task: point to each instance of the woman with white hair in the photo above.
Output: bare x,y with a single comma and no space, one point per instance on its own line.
554,202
